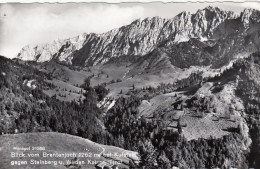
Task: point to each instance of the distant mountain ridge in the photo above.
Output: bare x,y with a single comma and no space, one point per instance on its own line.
141,37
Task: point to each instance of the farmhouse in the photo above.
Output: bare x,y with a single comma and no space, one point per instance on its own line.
106,165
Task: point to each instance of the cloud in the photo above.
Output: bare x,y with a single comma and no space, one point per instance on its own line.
42,23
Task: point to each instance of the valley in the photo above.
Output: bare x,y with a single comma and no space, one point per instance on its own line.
173,92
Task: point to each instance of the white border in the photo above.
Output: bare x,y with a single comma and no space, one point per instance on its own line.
119,1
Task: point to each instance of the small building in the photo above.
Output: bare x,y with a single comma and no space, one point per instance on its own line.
106,165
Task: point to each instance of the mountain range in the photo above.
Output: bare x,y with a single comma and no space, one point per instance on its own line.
182,92
216,33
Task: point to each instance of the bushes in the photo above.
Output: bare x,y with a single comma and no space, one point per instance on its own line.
101,92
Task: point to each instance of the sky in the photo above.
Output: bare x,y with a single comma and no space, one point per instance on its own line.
35,23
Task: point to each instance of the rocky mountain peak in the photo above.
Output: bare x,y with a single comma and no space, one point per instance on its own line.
184,14
249,15
208,9
138,38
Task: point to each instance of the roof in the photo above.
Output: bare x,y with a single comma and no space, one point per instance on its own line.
105,164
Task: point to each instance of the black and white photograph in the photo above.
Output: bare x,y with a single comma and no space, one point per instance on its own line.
130,85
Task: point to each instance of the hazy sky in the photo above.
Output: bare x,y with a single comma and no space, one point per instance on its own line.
23,24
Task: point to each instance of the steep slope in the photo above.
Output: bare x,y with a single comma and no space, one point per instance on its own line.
138,38
58,48
24,106
58,143
225,107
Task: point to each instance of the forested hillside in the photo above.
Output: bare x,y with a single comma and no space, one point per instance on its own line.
161,143
162,147
25,108
182,92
